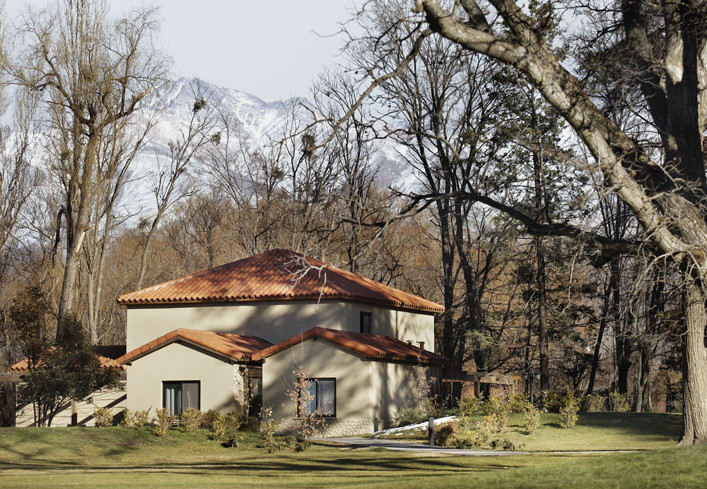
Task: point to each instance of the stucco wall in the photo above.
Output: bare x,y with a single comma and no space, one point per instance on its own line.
368,393
275,321
114,399
220,380
321,359
397,386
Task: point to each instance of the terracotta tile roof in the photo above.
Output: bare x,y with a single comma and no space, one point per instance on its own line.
105,361
234,346
276,275
373,346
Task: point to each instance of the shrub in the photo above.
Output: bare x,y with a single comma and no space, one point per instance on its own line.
163,421
531,420
568,412
103,417
554,401
190,419
127,421
134,419
619,402
140,419
207,419
410,416
594,403
225,429
519,403
250,423
505,444
470,404
444,433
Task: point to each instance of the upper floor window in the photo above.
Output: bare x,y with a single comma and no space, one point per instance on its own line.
365,322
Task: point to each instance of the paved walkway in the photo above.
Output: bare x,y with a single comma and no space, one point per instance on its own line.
415,447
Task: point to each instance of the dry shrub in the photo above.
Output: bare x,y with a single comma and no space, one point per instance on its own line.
569,411
103,418
163,420
531,420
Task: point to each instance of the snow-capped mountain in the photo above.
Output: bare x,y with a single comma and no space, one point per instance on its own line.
261,121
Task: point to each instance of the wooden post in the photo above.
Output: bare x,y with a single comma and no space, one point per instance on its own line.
431,430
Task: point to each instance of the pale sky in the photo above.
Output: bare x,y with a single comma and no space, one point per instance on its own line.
272,49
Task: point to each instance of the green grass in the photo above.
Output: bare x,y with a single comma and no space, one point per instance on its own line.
593,432
114,457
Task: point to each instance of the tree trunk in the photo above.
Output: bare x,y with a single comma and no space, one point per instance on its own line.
695,366
600,339
543,343
643,386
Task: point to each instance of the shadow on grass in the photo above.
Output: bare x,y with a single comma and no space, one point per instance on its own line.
282,464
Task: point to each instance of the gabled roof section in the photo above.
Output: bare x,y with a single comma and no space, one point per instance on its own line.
105,354
372,346
276,275
239,348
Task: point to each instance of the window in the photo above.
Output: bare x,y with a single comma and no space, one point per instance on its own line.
321,397
178,396
366,322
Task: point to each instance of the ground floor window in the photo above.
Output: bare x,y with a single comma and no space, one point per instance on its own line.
178,396
321,397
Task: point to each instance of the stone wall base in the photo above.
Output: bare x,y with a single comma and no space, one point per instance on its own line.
333,427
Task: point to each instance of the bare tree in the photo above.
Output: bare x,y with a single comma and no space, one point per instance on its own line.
168,181
665,196
94,72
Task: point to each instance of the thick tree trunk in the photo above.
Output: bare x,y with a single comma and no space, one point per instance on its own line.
643,386
695,363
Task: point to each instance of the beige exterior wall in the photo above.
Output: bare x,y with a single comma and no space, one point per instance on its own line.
368,393
221,382
114,399
275,321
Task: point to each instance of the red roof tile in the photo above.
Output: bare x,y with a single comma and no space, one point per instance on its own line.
23,365
235,346
372,346
276,275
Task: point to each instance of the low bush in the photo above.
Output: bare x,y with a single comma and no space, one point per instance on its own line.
225,429
594,403
267,437
134,419
163,420
531,420
207,419
519,403
469,405
190,419
103,417
411,416
251,424
553,401
619,402
140,419
569,411
444,433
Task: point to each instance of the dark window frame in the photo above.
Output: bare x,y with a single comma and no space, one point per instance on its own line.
181,382
315,381
362,315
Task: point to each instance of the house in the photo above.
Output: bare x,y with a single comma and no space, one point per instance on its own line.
75,413
229,338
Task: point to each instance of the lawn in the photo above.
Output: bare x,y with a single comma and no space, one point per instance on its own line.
593,432
115,457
